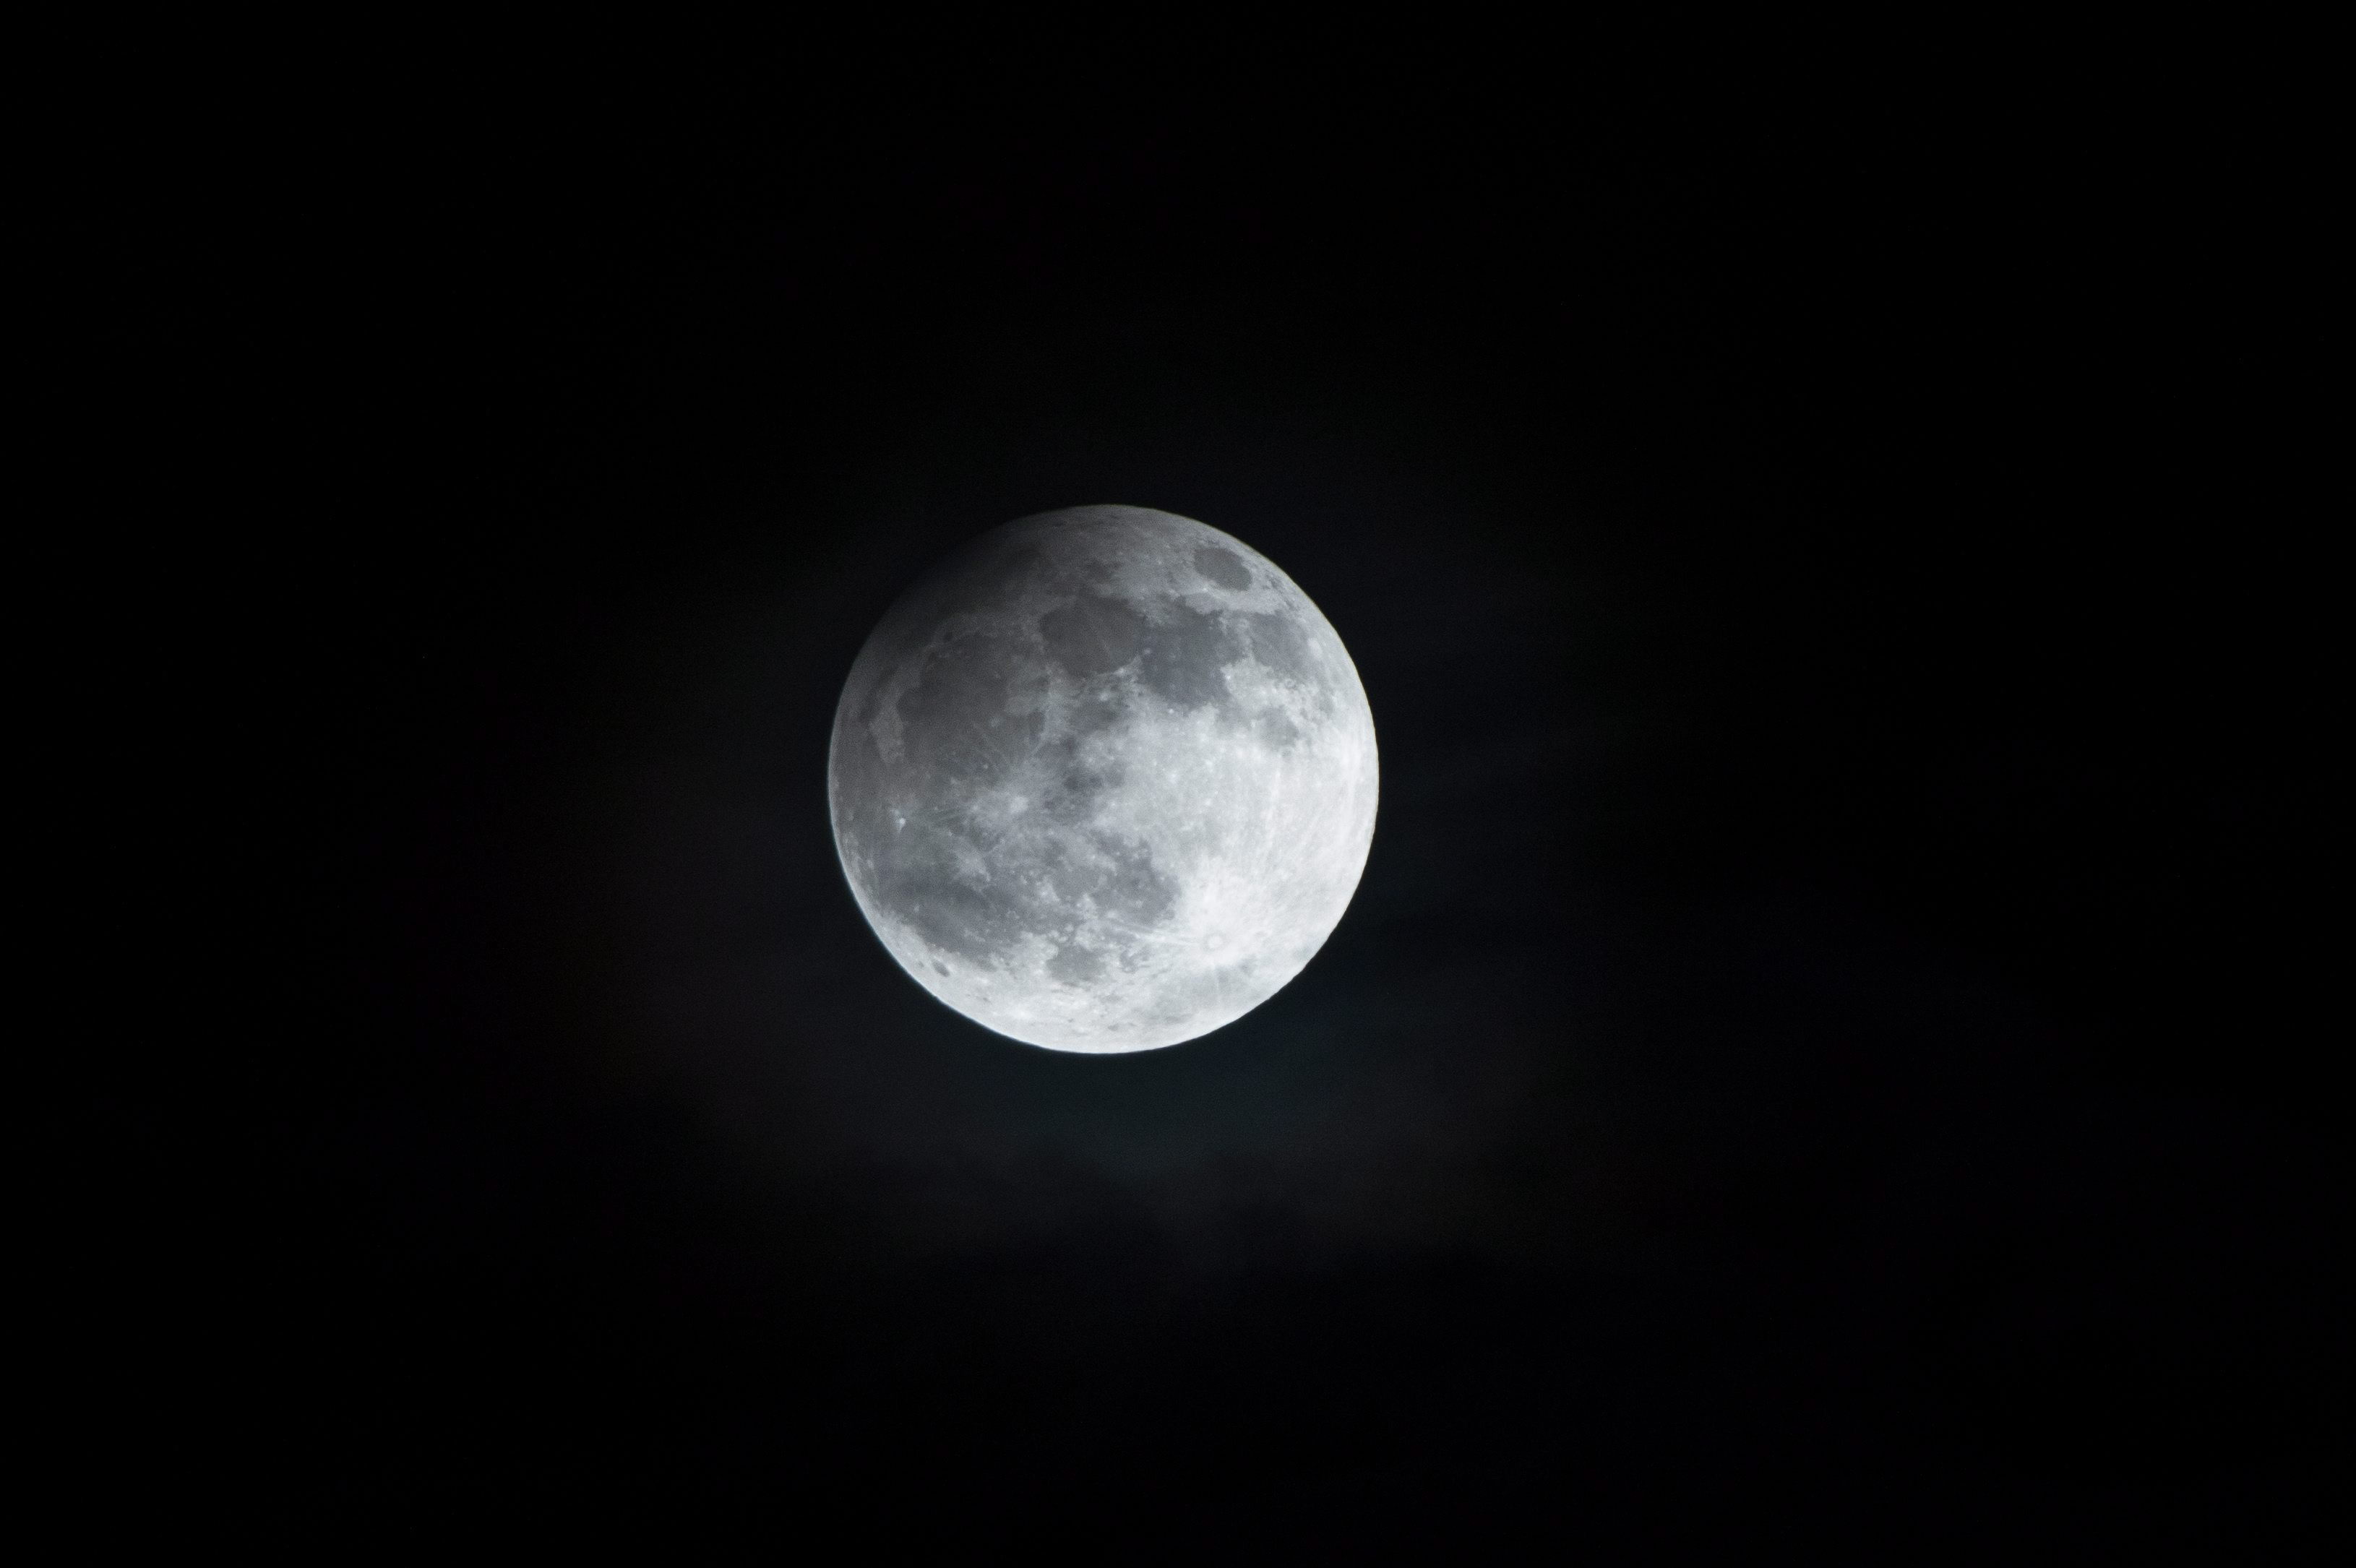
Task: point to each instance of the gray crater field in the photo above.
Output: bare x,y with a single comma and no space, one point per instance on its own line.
1103,781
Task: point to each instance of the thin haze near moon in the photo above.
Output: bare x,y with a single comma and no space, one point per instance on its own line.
1104,781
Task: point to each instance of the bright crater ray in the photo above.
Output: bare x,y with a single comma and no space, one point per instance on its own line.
1103,781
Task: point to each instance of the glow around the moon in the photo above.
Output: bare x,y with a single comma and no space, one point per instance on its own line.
1104,781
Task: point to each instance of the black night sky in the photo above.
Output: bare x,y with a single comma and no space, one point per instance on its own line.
1828,1061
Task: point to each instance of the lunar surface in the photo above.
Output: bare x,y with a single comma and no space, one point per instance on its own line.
1104,781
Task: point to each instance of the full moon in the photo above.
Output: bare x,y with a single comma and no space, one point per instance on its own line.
1104,780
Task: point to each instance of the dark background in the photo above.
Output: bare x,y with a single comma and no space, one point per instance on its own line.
1833,1054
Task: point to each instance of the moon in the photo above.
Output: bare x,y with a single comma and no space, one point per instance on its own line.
1104,780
